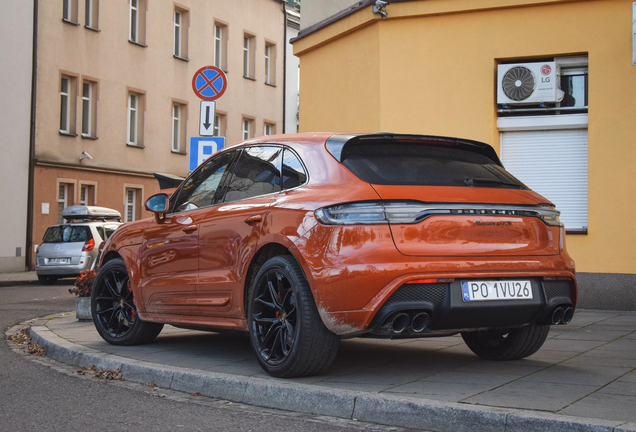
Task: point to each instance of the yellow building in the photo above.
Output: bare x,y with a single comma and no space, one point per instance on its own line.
111,99
439,67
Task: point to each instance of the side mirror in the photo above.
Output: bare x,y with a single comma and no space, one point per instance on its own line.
158,204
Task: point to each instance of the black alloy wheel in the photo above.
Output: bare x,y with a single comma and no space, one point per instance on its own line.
286,331
114,311
275,317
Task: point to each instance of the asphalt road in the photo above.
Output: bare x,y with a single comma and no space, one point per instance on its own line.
37,393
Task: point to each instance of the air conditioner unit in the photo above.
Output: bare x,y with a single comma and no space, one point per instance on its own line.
528,83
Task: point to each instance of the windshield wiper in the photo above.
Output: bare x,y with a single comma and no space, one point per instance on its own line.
478,181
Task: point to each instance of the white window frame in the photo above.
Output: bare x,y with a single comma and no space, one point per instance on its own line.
217,126
268,129
130,206
246,56
83,200
62,198
132,136
87,109
92,14
133,28
65,104
247,129
268,52
176,127
218,46
69,11
178,22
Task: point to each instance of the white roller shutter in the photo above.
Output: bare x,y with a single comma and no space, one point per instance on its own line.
554,164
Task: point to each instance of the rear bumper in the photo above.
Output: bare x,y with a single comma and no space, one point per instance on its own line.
63,270
353,281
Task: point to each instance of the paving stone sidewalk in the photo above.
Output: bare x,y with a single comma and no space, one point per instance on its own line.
586,370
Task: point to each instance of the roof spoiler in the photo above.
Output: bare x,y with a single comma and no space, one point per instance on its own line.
336,143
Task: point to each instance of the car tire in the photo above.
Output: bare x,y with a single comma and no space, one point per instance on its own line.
507,344
286,331
114,311
47,280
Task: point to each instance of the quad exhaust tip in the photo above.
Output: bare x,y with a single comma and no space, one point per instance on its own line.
420,322
562,315
400,323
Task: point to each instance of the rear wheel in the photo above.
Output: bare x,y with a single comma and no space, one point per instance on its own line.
114,311
47,280
286,331
507,344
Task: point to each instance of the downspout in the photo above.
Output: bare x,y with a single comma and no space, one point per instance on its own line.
284,65
31,180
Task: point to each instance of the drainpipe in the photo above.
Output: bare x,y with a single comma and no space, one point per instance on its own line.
284,64
31,179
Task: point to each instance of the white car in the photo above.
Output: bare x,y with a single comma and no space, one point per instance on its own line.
70,248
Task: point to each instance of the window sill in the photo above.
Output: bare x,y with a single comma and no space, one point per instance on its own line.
89,137
138,44
68,134
70,22
270,84
185,59
92,28
179,152
249,78
134,145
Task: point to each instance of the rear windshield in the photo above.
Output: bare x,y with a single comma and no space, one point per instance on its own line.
67,234
424,165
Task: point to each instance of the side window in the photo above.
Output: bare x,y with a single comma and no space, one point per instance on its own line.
200,190
257,173
293,171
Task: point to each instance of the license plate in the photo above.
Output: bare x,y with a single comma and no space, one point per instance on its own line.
58,261
496,290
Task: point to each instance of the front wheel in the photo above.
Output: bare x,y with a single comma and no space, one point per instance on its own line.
114,311
286,332
507,344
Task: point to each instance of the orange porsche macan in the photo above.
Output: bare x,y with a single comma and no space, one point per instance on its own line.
301,240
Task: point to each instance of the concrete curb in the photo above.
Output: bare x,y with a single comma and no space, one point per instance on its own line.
363,406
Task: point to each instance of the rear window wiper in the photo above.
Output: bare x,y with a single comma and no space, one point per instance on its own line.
478,181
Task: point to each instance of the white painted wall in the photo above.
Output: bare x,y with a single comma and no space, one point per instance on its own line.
16,45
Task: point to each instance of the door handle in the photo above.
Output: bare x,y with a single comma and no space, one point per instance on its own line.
253,219
189,229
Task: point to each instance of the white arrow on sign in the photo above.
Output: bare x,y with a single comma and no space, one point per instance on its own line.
206,125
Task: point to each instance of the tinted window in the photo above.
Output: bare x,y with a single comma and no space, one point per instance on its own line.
293,171
201,189
424,165
257,173
67,234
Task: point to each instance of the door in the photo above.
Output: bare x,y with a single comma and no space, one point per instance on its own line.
170,250
230,232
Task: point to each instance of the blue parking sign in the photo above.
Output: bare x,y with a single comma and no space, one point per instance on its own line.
202,148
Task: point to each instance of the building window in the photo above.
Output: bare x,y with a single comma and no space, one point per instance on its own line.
137,27
87,195
269,129
249,50
69,11
89,108
270,64
219,124
247,128
220,46
130,205
135,119
67,104
92,14
64,198
181,33
179,116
